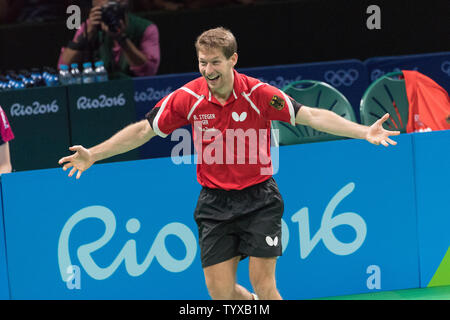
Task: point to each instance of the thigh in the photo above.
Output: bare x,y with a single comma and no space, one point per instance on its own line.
223,272
217,240
261,231
262,268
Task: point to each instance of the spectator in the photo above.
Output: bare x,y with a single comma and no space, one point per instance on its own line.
6,135
132,50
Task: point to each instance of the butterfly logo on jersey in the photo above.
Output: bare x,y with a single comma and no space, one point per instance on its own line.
239,117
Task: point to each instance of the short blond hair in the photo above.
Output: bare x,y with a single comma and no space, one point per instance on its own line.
217,38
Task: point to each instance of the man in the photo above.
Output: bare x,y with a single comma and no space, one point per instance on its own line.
132,50
240,206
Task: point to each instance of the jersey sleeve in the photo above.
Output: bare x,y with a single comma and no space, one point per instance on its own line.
275,104
6,133
168,114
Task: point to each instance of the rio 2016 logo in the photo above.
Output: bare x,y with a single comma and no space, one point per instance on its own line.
128,252
36,108
328,223
158,250
102,101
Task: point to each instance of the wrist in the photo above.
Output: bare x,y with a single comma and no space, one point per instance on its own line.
95,156
80,43
122,39
365,133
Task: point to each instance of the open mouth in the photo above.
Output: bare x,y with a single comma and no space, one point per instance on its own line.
213,78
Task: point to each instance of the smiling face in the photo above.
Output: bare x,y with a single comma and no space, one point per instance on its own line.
216,52
217,70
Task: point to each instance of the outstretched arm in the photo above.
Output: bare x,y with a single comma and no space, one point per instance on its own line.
330,122
129,138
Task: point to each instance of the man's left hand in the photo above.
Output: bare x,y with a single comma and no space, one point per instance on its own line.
378,135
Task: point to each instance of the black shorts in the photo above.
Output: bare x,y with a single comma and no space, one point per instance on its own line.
242,223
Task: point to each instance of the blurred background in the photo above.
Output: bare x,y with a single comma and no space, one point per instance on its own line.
268,32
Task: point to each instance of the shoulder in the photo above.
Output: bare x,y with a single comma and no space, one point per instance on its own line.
144,23
195,87
190,91
251,85
247,80
137,26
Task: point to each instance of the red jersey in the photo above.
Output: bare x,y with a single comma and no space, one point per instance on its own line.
232,140
6,133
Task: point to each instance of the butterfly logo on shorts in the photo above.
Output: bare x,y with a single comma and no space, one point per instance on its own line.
272,242
239,117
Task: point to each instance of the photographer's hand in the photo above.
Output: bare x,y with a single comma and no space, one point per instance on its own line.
132,54
115,35
94,21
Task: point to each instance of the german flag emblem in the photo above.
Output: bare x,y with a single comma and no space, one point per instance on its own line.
277,102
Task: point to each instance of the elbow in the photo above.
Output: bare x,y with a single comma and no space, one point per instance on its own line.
306,116
146,132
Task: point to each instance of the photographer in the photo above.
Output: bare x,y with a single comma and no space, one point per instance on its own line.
127,44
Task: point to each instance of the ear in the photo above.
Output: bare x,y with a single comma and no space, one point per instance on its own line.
234,59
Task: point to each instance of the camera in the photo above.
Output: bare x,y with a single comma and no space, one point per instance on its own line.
112,13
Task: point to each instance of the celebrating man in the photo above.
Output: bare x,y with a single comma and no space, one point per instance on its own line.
239,206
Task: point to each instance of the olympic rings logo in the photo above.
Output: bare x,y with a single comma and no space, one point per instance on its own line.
375,74
445,67
341,77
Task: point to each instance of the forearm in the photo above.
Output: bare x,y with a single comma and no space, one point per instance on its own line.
129,138
69,56
330,122
132,54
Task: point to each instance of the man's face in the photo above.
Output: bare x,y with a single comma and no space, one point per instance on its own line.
216,68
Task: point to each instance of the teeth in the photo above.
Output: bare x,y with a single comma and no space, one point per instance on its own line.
213,78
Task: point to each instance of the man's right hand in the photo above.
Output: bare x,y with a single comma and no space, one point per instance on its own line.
81,160
95,19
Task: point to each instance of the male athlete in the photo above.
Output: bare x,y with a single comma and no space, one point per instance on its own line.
239,207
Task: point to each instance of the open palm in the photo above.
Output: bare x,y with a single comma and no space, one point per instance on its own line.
81,160
378,135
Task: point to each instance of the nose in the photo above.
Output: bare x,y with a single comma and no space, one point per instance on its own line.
209,69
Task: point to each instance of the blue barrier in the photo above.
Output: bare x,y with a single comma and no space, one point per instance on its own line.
126,230
432,163
4,284
434,65
367,240
137,215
